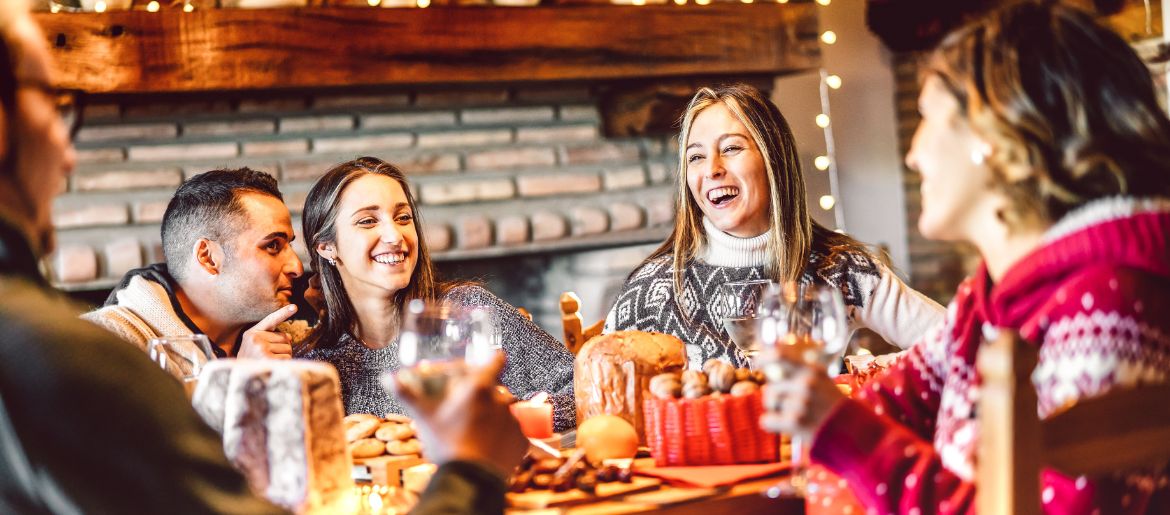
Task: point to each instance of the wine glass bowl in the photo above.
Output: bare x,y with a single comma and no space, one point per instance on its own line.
183,356
433,344
736,307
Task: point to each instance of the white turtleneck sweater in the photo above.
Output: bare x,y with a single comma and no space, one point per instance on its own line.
876,298
723,249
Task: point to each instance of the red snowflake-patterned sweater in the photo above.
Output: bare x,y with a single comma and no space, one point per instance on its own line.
1095,296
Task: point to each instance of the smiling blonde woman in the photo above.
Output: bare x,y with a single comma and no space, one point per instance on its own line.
742,215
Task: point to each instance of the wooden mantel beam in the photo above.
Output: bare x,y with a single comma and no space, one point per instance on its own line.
238,49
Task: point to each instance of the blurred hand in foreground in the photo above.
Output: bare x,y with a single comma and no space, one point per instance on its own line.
471,422
798,397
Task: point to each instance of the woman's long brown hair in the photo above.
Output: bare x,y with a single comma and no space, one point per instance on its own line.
1069,109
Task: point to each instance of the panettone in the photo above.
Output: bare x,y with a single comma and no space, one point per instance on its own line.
612,373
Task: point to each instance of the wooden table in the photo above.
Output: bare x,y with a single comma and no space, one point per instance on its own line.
741,499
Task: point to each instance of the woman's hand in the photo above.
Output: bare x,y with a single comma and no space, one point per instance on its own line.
800,401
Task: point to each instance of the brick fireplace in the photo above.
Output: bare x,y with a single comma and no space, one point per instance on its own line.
517,185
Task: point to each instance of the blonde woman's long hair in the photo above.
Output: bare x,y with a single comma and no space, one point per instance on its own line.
793,233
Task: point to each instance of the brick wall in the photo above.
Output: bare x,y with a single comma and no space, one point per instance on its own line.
493,168
936,268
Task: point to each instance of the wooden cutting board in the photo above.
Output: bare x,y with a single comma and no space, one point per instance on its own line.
536,499
387,469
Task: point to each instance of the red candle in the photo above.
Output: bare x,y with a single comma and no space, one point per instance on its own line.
535,417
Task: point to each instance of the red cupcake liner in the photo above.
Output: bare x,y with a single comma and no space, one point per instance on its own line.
712,430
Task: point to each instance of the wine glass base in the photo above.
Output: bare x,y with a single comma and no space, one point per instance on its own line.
794,486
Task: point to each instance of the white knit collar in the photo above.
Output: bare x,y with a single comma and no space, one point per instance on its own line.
1104,210
722,249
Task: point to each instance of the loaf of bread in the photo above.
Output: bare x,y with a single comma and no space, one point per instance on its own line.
612,373
281,423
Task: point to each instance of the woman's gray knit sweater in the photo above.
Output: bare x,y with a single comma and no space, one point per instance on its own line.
535,362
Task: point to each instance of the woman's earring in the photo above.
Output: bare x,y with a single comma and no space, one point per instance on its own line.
332,262
979,155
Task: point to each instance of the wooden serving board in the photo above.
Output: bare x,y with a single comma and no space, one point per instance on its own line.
537,499
387,469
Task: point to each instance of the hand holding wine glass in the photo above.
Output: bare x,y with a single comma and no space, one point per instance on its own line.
804,329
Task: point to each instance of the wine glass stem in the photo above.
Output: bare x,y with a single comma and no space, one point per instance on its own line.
798,462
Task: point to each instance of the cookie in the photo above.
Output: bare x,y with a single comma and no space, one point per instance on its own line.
393,431
394,417
367,448
358,417
400,448
364,428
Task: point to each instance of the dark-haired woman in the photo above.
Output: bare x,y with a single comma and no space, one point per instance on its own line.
366,242
1042,144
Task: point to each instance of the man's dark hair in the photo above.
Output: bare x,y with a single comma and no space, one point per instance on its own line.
208,206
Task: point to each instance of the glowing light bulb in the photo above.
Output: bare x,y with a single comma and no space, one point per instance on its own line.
54,8
424,3
821,162
374,3
824,2
638,2
822,120
833,81
702,2
188,8
827,202
747,1
782,1
99,7
680,2
152,6
829,37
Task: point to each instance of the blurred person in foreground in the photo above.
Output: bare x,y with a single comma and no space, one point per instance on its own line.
1041,143
88,424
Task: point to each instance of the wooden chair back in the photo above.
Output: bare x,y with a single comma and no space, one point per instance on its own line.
576,332
524,313
1127,428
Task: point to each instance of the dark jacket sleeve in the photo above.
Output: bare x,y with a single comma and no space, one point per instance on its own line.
98,426
462,487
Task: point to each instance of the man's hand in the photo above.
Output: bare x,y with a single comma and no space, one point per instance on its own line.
471,423
262,340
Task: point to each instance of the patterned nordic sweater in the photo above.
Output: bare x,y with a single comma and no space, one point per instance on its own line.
874,296
535,362
1095,297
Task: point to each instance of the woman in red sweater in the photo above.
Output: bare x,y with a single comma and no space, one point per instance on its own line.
1041,143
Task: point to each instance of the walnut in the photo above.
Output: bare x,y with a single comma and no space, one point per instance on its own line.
666,386
744,388
695,390
721,376
743,374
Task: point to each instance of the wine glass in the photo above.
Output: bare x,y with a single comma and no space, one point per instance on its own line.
800,324
182,356
437,342
736,308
